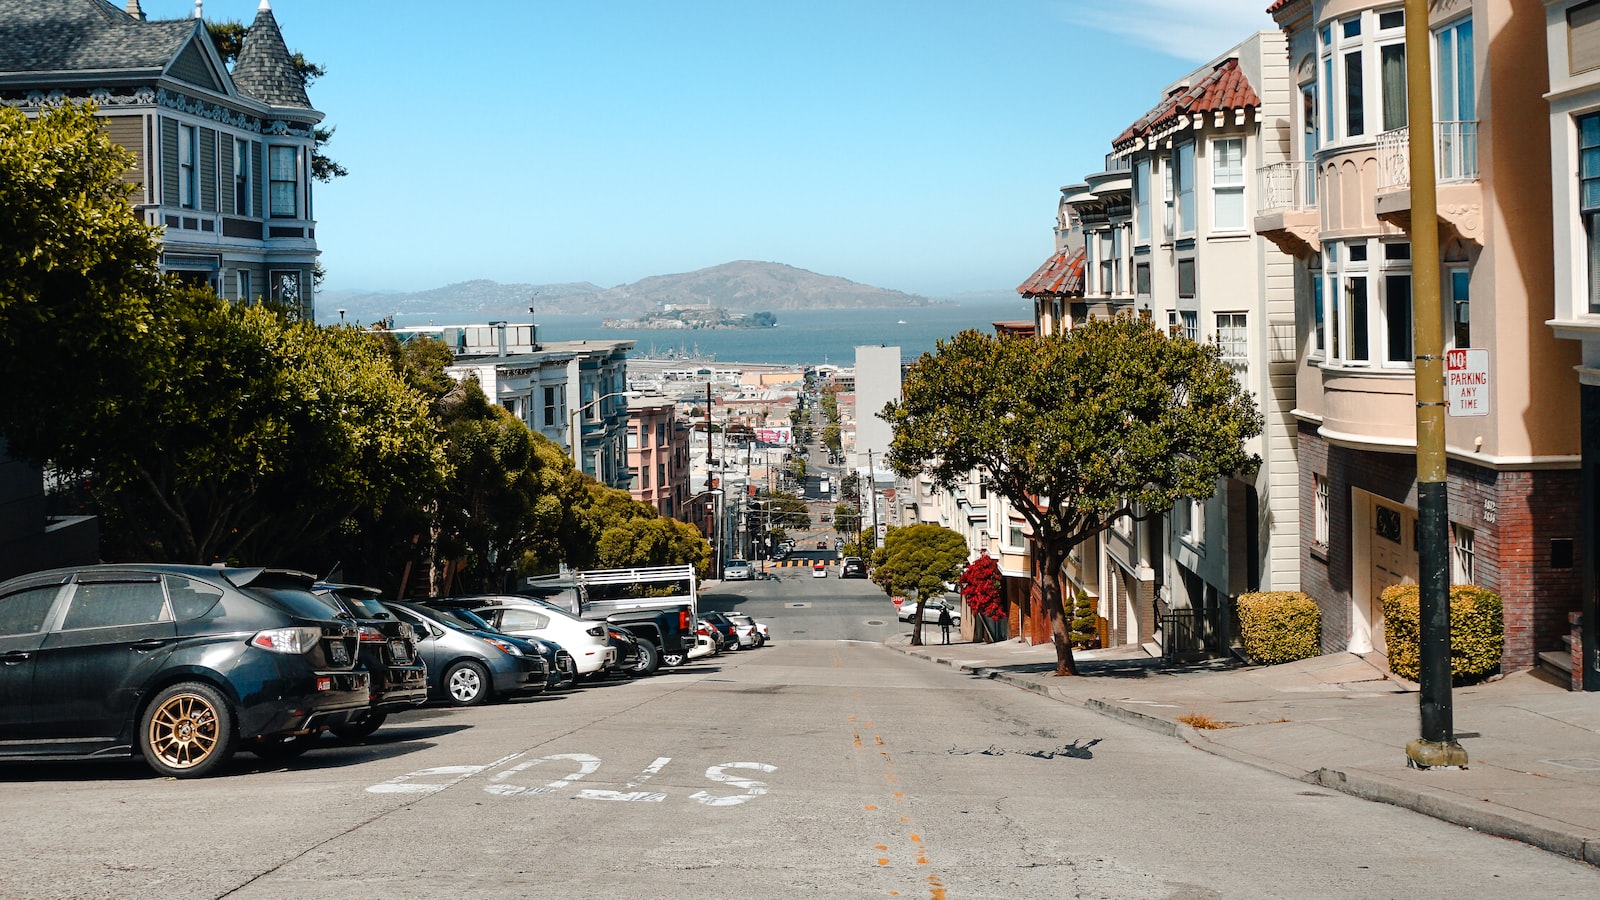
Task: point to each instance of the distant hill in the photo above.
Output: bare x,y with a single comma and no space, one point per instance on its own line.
743,286
748,286
461,303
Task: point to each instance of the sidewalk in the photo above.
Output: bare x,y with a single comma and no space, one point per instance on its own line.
1339,722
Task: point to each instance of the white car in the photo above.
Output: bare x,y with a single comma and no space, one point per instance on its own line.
930,612
737,570
820,570
757,631
585,639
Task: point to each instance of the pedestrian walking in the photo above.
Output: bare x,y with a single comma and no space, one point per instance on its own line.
944,622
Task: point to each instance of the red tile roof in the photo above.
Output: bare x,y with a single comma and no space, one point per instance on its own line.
1062,273
1277,6
1226,88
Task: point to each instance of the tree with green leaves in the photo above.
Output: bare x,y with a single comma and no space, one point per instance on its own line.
915,562
248,435
1112,419
649,539
78,274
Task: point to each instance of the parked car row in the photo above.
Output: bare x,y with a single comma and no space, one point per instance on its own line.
186,665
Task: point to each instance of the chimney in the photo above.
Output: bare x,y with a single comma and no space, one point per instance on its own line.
135,11
199,9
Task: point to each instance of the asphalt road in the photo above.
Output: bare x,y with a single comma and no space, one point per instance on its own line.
825,765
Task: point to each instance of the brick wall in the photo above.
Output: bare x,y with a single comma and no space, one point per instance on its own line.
1515,516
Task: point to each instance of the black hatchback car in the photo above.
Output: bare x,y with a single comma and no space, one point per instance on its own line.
389,652
181,665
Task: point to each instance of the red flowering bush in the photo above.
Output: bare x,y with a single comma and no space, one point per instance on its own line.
980,587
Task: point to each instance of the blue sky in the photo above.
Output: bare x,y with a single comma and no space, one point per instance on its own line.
909,145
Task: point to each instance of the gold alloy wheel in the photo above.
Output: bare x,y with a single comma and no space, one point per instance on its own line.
184,730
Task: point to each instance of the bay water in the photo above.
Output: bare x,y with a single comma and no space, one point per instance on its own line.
810,336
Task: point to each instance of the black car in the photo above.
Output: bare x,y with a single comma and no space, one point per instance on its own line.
725,628
388,650
853,567
182,665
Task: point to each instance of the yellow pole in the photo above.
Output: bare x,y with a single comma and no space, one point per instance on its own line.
1437,746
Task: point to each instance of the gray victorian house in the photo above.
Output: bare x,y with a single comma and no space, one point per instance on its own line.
222,158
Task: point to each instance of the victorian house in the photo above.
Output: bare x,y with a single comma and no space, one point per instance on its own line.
222,159
1340,209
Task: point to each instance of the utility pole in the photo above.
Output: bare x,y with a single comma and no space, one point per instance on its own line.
872,498
1437,746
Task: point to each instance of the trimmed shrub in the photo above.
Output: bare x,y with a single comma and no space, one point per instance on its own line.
1085,622
1279,626
1477,631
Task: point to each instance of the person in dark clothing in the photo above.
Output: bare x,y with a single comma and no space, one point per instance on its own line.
944,622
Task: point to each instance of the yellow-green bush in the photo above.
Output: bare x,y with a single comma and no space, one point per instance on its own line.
1279,626
1477,631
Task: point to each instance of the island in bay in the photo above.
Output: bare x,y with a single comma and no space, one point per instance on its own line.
695,319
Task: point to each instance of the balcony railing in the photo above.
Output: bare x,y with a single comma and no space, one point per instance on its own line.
1455,154
1288,185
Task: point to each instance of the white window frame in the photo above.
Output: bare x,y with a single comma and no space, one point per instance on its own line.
1319,510
188,166
243,196
1227,184
1319,309
1141,202
242,287
1191,520
1463,554
1183,156
1233,339
275,179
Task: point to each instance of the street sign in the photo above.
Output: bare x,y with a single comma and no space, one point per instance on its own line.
1466,379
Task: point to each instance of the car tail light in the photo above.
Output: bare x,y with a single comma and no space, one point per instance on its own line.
370,635
287,640
683,619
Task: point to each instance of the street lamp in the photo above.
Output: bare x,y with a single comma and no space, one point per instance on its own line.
575,438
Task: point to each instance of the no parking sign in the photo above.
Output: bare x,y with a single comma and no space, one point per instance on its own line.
1466,380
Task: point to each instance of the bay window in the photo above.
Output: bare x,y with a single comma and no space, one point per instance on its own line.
1368,304
1456,86
283,164
1589,199
1361,51
241,177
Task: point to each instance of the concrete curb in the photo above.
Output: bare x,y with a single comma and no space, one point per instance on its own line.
1545,834
1528,828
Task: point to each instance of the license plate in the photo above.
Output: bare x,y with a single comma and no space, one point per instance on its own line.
397,649
339,653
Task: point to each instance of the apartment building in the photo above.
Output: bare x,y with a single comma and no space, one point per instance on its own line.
1572,30
1165,232
1339,206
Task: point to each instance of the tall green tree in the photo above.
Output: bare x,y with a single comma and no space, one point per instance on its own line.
1075,430
245,435
653,540
915,562
77,276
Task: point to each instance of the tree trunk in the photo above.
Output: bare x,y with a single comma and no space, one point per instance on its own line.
916,625
1047,569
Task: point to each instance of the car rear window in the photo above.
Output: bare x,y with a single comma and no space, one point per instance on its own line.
365,606
191,599
294,601
462,619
